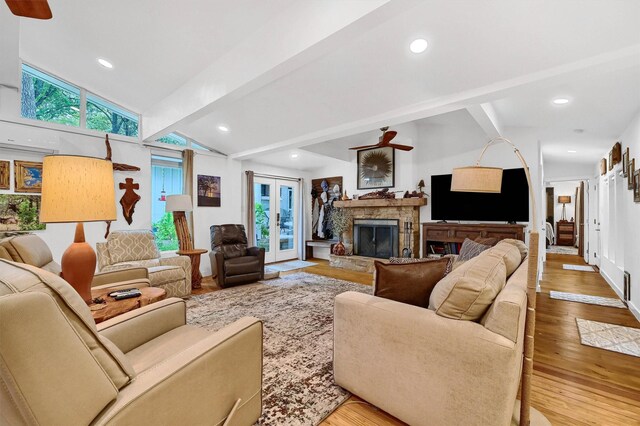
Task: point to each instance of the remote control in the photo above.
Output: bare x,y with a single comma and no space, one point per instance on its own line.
127,295
125,290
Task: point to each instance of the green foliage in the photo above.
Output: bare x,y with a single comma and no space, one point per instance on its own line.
165,232
340,221
28,215
262,223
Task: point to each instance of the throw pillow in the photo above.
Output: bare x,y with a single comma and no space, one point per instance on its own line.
488,241
471,249
409,283
524,250
405,260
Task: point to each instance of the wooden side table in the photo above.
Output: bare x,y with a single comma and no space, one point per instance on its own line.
115,307
194,255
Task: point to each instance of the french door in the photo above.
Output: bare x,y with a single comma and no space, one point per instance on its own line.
276,214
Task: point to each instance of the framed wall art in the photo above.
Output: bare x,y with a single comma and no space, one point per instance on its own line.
616,155
636,186
376,168
28,176
5,174
603,167
625,163
632,168
20,212
208,191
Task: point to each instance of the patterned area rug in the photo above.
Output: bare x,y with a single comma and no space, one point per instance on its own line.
592,300
578,268
290,266
562,250
611,337
297,311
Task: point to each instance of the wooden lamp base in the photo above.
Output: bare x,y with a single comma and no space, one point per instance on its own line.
182,230
79,264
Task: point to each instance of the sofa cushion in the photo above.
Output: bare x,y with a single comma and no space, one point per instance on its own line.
159,275
22,278
4,254
242,265
29,249
468,291
510,255
471,249
410,283
524,250
230,239
126,246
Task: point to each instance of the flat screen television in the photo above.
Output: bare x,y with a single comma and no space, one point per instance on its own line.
511,205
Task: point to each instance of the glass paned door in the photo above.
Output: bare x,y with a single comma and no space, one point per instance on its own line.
276,218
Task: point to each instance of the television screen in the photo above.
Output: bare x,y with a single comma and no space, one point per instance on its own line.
511,205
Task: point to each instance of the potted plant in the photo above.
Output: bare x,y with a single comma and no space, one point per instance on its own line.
340,220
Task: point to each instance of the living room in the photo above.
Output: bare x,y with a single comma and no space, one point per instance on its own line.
260,152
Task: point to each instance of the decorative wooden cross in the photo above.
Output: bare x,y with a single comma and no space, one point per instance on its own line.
129,199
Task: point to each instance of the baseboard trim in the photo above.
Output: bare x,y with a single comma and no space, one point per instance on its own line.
632,308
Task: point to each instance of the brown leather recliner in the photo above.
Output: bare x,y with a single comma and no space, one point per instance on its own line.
231,259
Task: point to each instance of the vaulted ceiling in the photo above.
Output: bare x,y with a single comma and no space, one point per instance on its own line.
283,74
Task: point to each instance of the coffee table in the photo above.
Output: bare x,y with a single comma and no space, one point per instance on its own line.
115,307
194,255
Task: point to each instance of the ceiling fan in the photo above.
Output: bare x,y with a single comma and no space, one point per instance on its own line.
37,9
385,141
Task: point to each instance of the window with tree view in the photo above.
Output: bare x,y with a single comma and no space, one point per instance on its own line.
106,117
166,179
49,99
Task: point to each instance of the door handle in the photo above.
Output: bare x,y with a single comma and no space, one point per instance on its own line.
278,219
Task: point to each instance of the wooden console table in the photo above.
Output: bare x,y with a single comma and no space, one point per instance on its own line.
435,233
113,307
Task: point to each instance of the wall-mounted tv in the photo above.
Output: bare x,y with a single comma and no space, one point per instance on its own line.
511,205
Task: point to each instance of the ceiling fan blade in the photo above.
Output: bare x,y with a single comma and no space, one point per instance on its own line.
388,136
37,9
364,146
400,147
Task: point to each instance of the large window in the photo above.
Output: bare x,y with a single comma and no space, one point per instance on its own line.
106,117
166,179
49,99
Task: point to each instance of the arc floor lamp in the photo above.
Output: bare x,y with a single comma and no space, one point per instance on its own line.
489,180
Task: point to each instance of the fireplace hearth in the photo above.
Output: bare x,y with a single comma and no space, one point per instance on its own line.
376,237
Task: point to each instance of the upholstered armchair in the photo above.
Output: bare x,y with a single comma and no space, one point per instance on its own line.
143,367
131,249
232,260
32,250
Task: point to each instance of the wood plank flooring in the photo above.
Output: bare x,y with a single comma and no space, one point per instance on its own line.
572,384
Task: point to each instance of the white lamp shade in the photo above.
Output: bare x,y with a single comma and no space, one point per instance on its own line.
77,189
178,203
477,179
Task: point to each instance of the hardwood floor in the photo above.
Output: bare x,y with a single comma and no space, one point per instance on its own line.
572,384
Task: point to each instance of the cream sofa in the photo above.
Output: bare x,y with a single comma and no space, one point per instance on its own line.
145,367
427,369
131,249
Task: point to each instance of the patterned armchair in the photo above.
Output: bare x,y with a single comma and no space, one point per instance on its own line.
130,249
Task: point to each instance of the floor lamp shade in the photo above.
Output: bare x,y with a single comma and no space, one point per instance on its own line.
77,189
178,203
564,199
477,179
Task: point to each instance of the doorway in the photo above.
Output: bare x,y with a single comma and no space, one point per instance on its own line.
566,217
276,218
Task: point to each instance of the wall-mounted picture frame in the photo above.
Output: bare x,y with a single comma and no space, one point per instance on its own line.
376,168
632,168
610,160
603,167
20,212
636,186
28,176
209,191
5,174
616,155
625,163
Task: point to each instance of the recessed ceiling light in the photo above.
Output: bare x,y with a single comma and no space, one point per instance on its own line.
223,128
561,101
571,151
105,63
293,155
418,45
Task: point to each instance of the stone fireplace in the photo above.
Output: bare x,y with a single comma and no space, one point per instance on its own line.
376,238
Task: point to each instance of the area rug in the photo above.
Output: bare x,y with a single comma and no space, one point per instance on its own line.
562,250
611,337
291,265
297,311
592,300
578,268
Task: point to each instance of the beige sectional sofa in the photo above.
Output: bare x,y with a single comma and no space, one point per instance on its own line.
429,368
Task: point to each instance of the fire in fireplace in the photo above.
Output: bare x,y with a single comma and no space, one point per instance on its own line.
375,237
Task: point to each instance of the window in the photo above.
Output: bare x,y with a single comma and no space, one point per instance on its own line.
166,179
196,146
106,117
173,139
49,99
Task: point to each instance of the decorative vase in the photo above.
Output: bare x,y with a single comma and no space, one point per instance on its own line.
338,249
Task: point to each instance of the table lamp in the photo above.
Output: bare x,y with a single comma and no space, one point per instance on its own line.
77,189
489,180
178,205
564,199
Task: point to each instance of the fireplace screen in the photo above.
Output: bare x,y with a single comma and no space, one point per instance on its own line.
375,237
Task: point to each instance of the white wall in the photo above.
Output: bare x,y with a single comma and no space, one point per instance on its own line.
564,170
620,222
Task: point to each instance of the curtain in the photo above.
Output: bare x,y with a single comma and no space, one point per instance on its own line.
187,184
302,252
251,212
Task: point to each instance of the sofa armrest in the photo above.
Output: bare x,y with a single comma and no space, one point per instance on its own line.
259,253
199,385
444,361
111,277
182,261
137,327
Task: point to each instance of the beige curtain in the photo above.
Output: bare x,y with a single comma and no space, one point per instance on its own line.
187,184
251,212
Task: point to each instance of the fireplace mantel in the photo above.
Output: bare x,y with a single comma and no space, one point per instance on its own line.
382,202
